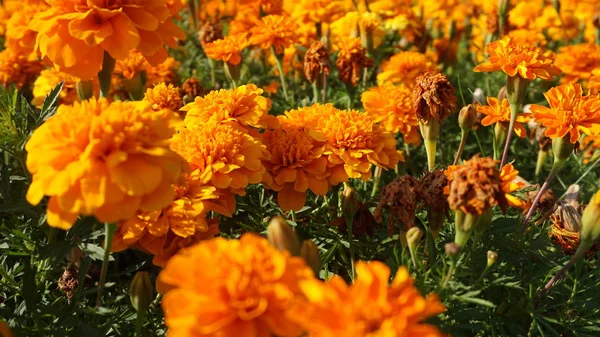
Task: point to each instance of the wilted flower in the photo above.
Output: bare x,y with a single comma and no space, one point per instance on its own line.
401,196
191,88
351,60
163,96
363,222
210,32
316,62
218,304
433,97
433,185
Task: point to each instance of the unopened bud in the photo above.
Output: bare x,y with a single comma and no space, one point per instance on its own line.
562,148
141,291
492,256
349,203
452,249
310,253
467,117
413,236
282,236
502,94
74,256
590,222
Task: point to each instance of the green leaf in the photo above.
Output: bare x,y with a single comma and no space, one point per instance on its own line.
29,291
51,102
474,300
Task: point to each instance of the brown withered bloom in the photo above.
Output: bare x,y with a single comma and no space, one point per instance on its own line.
351,60
547,201
190,89
475,186
69,280
433,96
363,223
433,184
210,32
316,62
401,196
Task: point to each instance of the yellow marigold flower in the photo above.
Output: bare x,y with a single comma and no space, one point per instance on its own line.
354,143
266,6
510,182
405,67
5,330
244,105
527,61
228,49
496,112
105,160
578,61
524,14
368,307
593,83
164,96
133,64
308,117
529,37
164,72
17,69
248,288
392,107
570,112
296,165
475,186
19,37
558,28
351,60
225,155
319,11
274,31
48,80
75,34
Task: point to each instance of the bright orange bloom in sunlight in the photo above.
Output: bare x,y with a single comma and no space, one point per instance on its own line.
511,183
48,80
578,61
74,34
248,288
392,107
17,69
405,67
225,156
19,37
527,61
228,49
105,160
368,307
297,164
570,112
244,105
319,11
163,96
496,112
132,65
274,31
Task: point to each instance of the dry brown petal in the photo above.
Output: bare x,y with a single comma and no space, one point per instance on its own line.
69,280
433,96
210,32
546,203
316,61
350,68
433,184
192,88
363,223
401,196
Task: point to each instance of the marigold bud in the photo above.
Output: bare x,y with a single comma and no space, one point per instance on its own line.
413,236
590,222
141,291
562,148
349,202
466,117
310,253
282,236
452,249
492,256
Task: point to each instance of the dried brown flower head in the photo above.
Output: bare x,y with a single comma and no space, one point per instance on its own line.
363,222
433,96
475,186
316,62
433,185
351,61
546,203
69,281
192,88
210,32
402,196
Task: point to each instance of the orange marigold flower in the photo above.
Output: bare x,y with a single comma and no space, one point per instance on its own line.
164,72
368,307
274,31
351,60
578,62
392,107
496,112
19,37
244,105
319,11
133,64
48,80
354,143
17,69
529,37
228,49
308,117
5,330
527,61
225,155
164,96
296,165
570,112
220,305
404,67
591,147
475,186
511,183
105,160
75,34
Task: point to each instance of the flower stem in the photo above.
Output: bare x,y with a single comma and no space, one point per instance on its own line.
514,109
377,176
279,62
105,75
561,273
450,274
430,147
463,140
541,160
555,169
84,90
349,221
139,323
109,230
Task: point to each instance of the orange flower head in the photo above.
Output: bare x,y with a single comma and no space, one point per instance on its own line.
228,49
354,143
225,156
368,307
351,60
591,147
164,96
17,69
248,288
296,165
569,113
48,80
405,67
164,72
578,62
19,37
132,65
526,61
244,105
319,11
274,31
511,183
475,186
529,37
433,97
75,34
192,88
308,117
496,112
392,107
105,160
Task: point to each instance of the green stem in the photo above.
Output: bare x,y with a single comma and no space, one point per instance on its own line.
105,75
463,140
349,220
279,62
139,323
84,90
558,165
561,273
541,160
109,229
514,109
450,274
377,176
